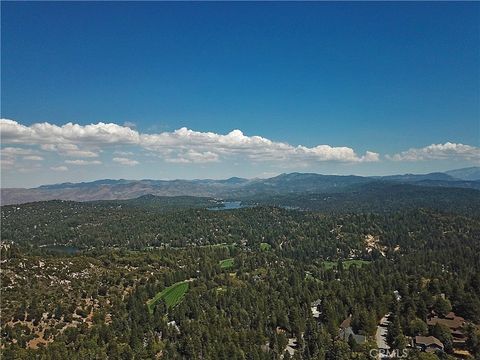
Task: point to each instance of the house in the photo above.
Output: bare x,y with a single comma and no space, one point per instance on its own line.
346,323
174,325
314,308
455,324
291,346
452,321
346,331
459,339
345,336
428,343
292,341
462,354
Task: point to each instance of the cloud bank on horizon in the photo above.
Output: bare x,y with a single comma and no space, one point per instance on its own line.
26,148
180,146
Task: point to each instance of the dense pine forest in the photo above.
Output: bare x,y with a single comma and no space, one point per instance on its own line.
172,279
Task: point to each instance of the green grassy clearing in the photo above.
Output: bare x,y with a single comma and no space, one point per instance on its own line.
172,295
265,246
227,263
346,263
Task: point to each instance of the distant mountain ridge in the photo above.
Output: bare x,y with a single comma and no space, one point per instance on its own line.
438,176
233,188
470,173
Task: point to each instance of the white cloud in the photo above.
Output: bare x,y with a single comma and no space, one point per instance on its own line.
70,150
83,162
45,133
10,156
59,168
192,156
7,163
25,146
447,151
28,169
33,158
123,153
371,156
125,161
182,145
14,151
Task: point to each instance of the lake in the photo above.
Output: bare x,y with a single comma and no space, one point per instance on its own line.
229,205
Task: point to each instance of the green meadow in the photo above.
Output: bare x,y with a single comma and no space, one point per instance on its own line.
227,263
265,246
346,263
172,295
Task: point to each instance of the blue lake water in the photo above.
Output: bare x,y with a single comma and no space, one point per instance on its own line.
229,205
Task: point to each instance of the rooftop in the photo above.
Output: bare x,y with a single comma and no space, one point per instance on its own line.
428,341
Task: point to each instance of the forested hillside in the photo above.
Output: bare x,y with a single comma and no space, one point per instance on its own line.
136,280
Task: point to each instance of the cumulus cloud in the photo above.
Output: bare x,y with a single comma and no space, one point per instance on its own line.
10,155
59,168
192,156
45,133
83,162
445,151
180,146
29,168
125,161
123,153
70,150
33,158
14,151
184,145
25,146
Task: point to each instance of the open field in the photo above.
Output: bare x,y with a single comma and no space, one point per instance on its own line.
227,263
172,295
265,246
346,263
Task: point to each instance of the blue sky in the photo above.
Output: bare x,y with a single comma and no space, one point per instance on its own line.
387,78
